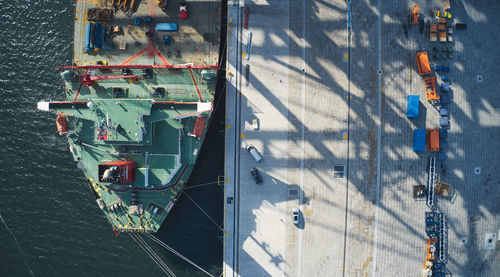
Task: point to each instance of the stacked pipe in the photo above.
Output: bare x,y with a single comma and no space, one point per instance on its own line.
94,37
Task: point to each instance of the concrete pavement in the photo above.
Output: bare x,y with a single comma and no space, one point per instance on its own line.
322,101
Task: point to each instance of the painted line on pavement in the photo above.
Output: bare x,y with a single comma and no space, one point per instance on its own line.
302,130
348,135
379,135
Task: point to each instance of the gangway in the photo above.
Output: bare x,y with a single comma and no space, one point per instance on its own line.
431,183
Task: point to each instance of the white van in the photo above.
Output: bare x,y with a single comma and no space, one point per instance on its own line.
254,152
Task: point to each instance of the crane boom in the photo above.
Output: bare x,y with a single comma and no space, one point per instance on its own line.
89,80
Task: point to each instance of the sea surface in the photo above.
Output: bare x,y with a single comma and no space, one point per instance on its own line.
49,223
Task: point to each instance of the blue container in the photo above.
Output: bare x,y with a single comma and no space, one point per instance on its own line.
444,99
443,111
166,27
443,144
441,68
442,155
443,122
412,106
445,78
445,87
419,139
443,133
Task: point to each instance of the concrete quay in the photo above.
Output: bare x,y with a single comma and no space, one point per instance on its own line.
322,96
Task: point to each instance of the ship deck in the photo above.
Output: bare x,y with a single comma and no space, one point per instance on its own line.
149,116
195,42
180,85
154,130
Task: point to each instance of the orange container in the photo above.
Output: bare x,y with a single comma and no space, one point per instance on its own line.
62,124
424,67
415,14
442,36
433,139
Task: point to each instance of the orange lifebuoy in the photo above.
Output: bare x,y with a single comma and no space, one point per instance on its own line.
62,124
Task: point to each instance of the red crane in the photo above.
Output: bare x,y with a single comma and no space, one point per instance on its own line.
89,80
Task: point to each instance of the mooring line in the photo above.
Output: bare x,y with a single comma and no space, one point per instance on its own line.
220,228
157,240
17,244
157,260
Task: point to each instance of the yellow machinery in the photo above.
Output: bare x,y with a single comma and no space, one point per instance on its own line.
430,257
427,270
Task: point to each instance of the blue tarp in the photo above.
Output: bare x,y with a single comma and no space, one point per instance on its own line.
172,27
419,139
94,37
98,36
88,46
412,106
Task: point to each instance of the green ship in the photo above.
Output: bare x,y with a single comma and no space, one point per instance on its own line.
138,99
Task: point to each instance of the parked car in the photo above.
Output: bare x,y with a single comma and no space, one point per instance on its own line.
254,152
256,176
441,68
296,216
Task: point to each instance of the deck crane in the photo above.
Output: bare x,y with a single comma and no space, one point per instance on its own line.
89,79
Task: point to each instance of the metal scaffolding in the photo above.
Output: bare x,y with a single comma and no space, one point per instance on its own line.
443,239
431,182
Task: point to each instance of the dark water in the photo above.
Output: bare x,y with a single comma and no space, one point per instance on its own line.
49,224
